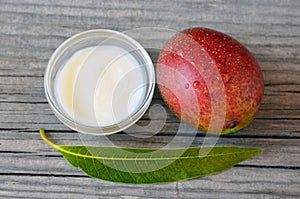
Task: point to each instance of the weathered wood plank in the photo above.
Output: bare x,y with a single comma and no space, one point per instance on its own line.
259,127
235,183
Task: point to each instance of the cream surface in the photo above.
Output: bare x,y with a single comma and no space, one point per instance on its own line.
101,86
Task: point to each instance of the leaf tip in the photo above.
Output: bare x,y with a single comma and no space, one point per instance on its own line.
256,151
260,150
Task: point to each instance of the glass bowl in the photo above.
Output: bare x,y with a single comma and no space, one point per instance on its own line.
94,38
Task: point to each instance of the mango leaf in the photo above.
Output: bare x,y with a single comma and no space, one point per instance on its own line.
151,166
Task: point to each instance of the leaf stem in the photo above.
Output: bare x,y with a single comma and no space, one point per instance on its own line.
59,148
45,138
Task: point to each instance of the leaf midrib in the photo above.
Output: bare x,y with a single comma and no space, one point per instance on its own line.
61,149
156,158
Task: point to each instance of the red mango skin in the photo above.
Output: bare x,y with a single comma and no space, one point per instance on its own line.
188,65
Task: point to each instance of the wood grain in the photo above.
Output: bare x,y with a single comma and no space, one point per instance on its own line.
30,31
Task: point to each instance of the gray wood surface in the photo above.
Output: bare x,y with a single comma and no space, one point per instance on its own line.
30,31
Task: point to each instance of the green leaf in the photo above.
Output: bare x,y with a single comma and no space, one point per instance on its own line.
151,166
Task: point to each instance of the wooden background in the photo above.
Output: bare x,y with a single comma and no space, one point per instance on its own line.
30,31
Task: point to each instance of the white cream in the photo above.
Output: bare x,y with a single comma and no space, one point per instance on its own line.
101,86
